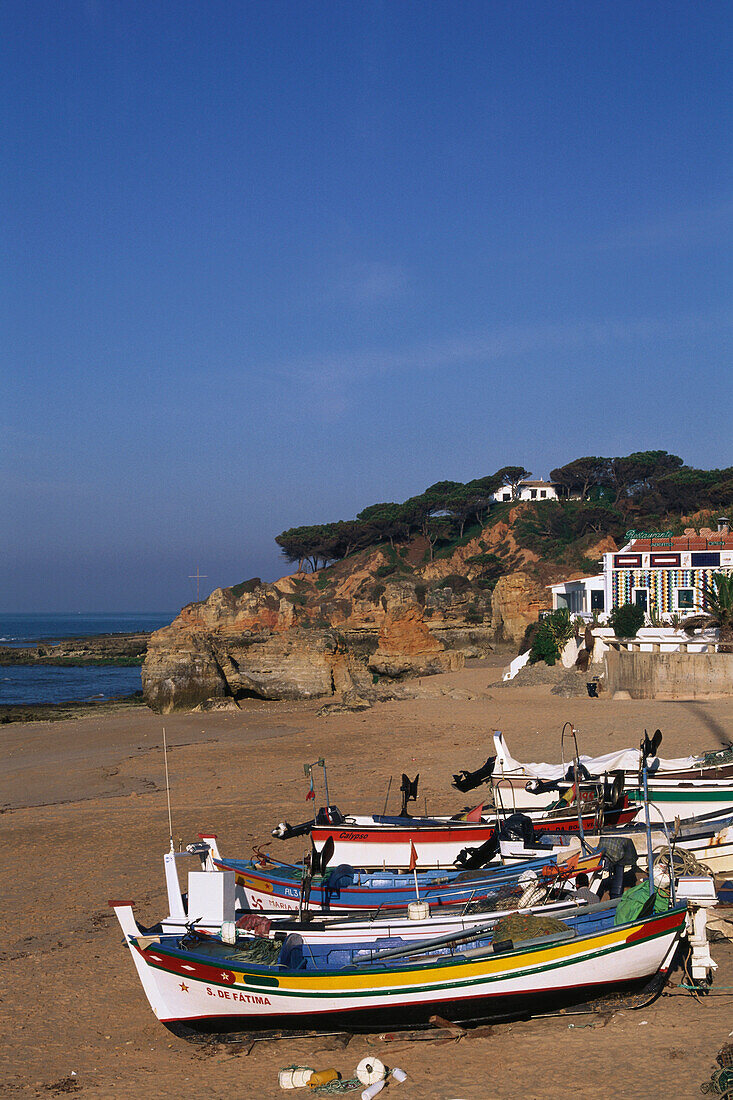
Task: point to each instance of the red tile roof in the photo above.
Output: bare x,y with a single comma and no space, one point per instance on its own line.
683,542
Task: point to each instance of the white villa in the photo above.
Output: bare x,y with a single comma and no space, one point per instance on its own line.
528,490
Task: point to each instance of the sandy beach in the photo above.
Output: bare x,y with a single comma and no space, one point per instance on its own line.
84,819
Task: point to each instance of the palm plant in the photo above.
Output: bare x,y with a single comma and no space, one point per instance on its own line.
718,612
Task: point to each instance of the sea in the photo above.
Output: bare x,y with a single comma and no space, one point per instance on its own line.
48,684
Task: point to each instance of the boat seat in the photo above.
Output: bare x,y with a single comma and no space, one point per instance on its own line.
291,955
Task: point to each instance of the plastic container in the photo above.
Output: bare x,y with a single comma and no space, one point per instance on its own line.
322,1077
296,1077
370,1070
229,932
399,1075
418,910
372,1090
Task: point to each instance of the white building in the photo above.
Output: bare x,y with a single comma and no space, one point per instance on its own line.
583,596
528,490
664,575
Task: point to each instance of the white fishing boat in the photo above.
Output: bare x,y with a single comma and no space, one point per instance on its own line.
207,983
685,787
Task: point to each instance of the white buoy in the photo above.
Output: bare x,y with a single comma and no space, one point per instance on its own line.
370,1092
229,932
370,1070
418,910
296,1077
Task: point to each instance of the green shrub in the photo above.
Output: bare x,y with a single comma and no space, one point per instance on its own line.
238,590
473,615
420,590
376,592
552,634
544,647
529,636
626,620
385,570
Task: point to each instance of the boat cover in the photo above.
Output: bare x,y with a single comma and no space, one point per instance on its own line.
627,760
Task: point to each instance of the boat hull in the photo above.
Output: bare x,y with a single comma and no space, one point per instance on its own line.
366,843
182,988
269,890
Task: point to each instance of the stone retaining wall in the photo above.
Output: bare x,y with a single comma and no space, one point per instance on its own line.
669,675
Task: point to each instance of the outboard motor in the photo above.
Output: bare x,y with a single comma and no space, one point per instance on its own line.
613,792
650,745
327,815
409,792
543,786
518,827
284,830
466,781
470,859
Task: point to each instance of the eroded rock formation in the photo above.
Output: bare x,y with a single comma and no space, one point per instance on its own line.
379,617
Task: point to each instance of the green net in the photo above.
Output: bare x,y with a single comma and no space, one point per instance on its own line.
720,1084
721,756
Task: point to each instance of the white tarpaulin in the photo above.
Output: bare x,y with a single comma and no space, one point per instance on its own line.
627,760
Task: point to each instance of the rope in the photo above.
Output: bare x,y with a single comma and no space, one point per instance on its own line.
331,1087
684,863
720,1083
335,1087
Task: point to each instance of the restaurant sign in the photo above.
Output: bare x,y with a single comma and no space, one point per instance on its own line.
648,535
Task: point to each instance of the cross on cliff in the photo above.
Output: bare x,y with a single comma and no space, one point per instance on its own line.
198,577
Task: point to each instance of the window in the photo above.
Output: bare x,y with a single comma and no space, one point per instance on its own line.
641,598
533,494
543,493
706,559
597,600
507,496
685,599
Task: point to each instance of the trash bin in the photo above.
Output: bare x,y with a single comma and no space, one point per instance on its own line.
592,689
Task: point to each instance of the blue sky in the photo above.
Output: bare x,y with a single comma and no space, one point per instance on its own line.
264,264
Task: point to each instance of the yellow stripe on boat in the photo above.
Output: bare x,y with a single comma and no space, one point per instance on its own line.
487,966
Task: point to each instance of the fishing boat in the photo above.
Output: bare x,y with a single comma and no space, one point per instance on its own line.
687,787
207,983
380,840
268,884
707,839
377,840
209,906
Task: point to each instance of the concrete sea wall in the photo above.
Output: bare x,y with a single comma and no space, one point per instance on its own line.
669,675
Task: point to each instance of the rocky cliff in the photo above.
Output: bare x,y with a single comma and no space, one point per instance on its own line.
376,618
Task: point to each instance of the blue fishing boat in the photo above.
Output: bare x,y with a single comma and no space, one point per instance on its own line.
271,885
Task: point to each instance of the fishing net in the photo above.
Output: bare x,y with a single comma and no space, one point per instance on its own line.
351,1084
260,950
329,1088
526,926
721,756
721,1081
507,897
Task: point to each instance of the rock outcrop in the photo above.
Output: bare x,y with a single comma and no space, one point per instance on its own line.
380,616
516,602
273,642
